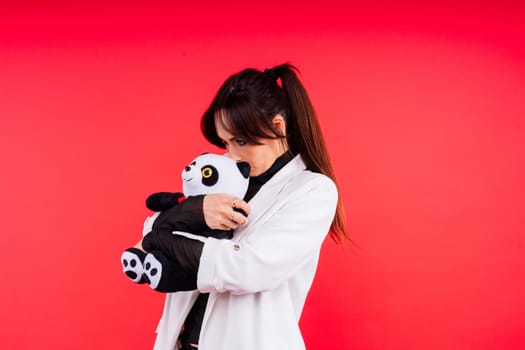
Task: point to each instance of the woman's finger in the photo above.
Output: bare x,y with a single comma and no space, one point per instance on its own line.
238,218
238,203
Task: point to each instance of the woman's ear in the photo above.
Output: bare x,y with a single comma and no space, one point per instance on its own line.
279,124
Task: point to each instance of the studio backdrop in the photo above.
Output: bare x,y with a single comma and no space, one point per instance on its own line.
423,110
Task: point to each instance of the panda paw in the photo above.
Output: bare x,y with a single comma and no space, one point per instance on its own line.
153,270
132,264
161,273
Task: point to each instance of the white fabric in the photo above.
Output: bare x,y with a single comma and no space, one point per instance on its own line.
148,223
258,281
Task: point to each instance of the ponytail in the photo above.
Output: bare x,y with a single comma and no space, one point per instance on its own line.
305,137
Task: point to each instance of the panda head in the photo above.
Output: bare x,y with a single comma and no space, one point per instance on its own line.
212,173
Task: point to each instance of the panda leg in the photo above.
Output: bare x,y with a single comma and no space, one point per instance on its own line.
132,260
165,275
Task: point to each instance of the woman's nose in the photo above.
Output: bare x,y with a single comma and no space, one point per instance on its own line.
234,156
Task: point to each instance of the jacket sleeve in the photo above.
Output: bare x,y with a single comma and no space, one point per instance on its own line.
277,246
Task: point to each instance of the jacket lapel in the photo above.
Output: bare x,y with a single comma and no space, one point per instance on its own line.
268,194
260,204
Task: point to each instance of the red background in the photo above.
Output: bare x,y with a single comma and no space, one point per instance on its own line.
423,109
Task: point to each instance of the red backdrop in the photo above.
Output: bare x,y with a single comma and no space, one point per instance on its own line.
423,108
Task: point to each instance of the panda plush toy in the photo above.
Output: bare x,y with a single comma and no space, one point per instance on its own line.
206,174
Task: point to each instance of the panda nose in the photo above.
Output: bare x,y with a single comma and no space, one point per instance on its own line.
187,168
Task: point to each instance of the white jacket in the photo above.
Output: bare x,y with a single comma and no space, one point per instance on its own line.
258,281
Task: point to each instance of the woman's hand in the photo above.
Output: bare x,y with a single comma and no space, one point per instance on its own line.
219,212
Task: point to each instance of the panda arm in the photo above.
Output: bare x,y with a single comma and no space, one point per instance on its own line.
162,201
186,216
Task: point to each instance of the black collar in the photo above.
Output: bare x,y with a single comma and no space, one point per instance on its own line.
257,181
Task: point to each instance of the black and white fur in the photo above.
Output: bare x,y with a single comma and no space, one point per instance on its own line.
206,174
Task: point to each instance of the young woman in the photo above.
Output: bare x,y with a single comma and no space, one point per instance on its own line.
256,282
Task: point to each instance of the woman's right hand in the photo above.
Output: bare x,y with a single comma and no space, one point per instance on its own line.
219,213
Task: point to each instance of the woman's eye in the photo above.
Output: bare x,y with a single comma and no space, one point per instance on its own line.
240,142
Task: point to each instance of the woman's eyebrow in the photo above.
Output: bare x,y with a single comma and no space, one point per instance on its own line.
233,138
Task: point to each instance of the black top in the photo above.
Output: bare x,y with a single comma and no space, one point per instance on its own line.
256,182
185,252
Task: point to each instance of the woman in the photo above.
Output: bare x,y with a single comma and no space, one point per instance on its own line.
257,281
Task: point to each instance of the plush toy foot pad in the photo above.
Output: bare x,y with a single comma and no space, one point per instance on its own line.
153,266
166,275
132,264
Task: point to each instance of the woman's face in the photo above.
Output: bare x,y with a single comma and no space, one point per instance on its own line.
260,157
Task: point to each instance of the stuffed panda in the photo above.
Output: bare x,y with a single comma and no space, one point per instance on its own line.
206,174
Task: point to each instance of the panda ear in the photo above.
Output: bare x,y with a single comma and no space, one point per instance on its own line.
244,168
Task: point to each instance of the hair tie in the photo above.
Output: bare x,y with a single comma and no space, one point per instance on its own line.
270,72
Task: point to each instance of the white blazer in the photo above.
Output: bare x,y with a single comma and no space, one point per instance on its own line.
258,280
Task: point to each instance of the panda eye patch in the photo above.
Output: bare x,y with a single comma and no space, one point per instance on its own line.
210,175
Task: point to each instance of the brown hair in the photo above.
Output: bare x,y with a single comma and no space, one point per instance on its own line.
261,95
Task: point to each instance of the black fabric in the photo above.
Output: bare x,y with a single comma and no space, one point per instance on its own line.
193,322
186,216
174,277
256,182
182,253
161,201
